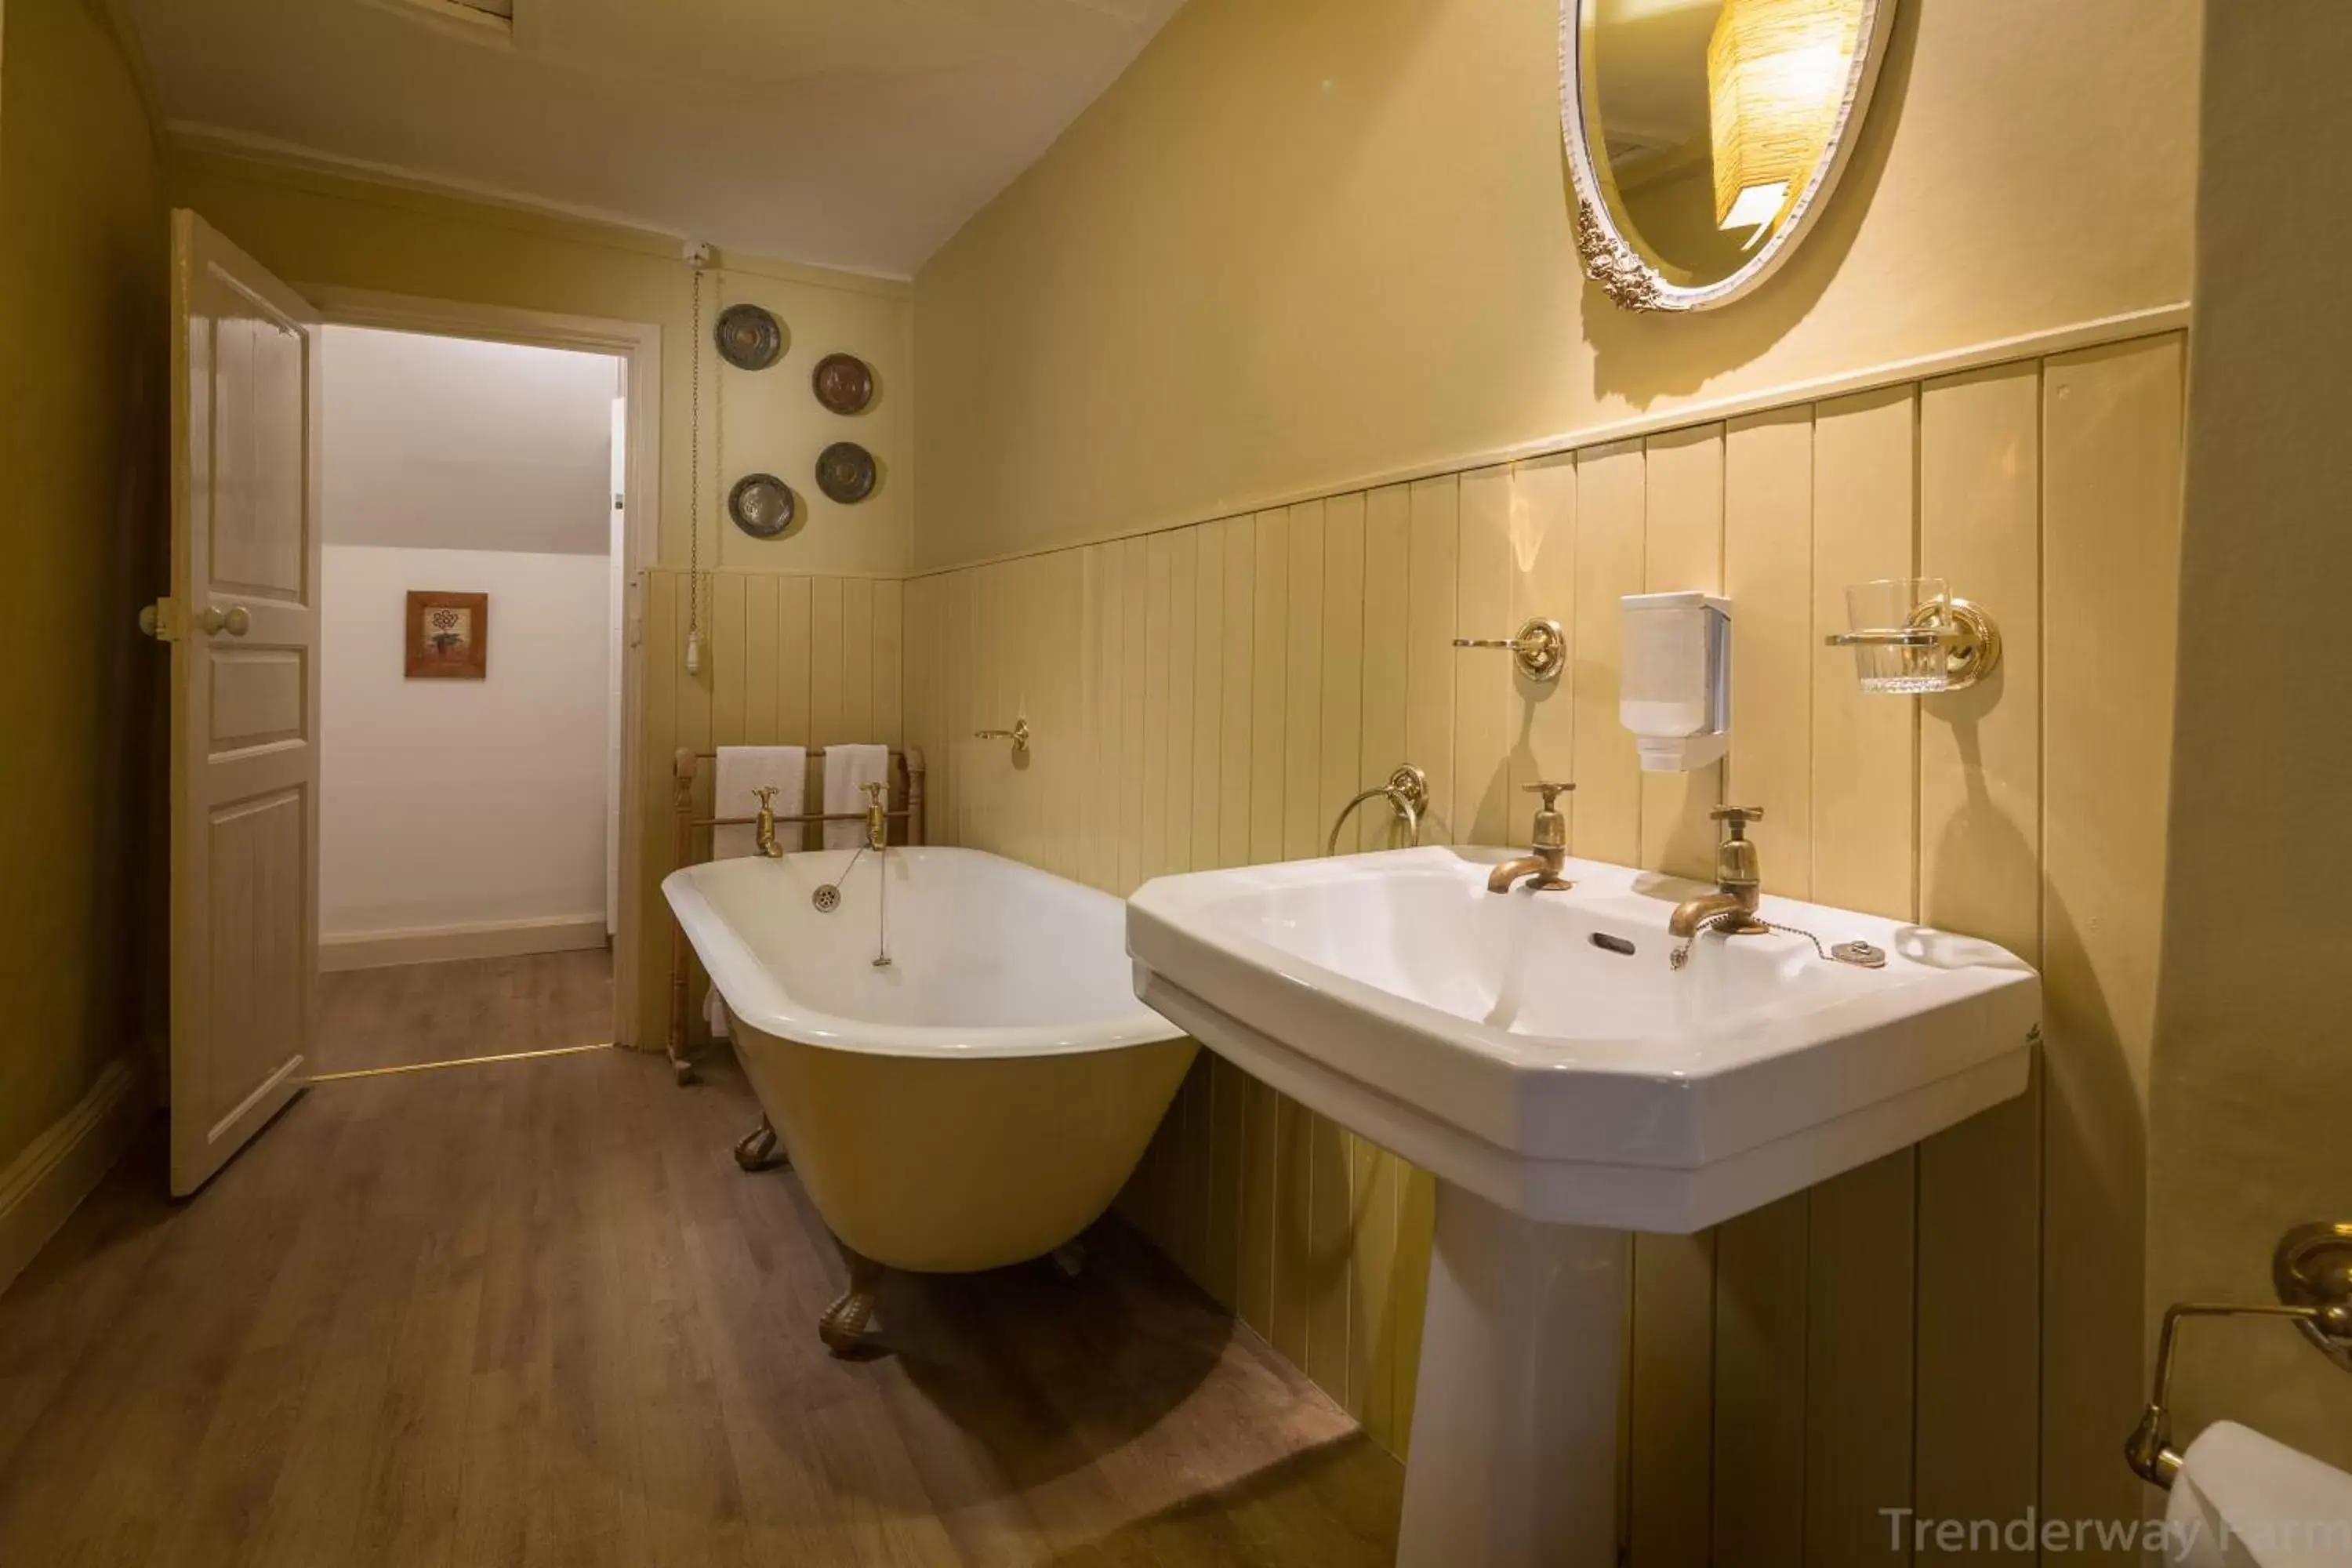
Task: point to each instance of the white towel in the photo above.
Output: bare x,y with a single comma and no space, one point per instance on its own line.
846,768
742,770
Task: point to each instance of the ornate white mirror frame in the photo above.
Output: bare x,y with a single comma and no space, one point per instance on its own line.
1611,258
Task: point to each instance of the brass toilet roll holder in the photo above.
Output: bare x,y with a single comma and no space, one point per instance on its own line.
2311,1271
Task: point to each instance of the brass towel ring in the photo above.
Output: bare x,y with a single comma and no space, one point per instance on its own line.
1407,791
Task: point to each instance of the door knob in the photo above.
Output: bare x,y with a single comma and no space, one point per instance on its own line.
236,621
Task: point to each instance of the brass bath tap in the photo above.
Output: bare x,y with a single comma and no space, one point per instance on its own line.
877,822
1738,883
1542,864
763,833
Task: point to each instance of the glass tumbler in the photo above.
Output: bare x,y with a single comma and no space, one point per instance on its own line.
1892,625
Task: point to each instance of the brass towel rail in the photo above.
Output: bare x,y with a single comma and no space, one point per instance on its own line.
906,773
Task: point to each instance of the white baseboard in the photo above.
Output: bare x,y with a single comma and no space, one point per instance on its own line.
48,1180
442,944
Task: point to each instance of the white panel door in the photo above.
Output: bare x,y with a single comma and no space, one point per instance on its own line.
243,622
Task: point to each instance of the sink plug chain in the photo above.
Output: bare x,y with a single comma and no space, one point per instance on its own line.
1861,954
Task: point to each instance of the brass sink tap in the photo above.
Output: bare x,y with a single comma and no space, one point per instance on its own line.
878,821
763,833
1543,863
1738,883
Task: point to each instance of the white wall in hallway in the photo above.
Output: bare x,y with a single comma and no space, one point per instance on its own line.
449,442
460,805
463,803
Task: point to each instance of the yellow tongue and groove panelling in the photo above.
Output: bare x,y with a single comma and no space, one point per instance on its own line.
1930,1332
791,660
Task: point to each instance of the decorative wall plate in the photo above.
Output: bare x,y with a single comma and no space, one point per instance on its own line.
749,338
845,471
762,505
843,383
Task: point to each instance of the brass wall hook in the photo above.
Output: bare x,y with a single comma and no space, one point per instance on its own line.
1018,735
1541,648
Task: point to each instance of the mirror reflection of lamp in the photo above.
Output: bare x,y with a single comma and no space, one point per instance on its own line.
1776,73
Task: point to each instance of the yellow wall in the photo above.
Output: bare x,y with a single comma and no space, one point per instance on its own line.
1304,243
1209,695
83,370
1304,247
2253,1046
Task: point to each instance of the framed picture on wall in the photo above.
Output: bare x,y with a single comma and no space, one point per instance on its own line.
448,636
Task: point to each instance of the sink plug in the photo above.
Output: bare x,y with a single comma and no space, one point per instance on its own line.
1860,954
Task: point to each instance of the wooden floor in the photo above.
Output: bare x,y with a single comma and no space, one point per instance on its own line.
477,1007
530,1312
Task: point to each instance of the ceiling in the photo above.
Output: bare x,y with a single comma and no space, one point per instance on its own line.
849,134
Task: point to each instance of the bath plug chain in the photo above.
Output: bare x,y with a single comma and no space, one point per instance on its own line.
827,898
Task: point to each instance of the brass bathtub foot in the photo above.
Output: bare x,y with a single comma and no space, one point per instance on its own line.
760,1150
1070,1259
848,1321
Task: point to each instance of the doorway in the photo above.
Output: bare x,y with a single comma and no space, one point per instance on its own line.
473,709
469,696
243,621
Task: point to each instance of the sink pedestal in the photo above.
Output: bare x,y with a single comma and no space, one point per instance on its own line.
1515,1412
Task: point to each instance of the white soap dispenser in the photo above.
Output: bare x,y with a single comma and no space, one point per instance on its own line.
1674,691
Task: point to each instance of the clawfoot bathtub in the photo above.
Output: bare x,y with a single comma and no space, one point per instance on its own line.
978,1099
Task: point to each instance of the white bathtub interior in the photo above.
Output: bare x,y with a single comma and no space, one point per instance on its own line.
986,954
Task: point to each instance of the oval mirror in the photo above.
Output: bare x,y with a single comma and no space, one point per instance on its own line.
1704,135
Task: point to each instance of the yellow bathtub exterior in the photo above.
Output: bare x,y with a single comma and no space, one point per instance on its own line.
947,1164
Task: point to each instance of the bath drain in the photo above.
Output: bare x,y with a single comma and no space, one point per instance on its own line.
826,898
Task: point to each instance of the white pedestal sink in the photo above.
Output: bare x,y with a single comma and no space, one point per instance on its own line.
1539,1055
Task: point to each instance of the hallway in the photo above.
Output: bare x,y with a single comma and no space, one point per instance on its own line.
411,1014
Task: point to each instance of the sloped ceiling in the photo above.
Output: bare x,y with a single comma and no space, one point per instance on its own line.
852,133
